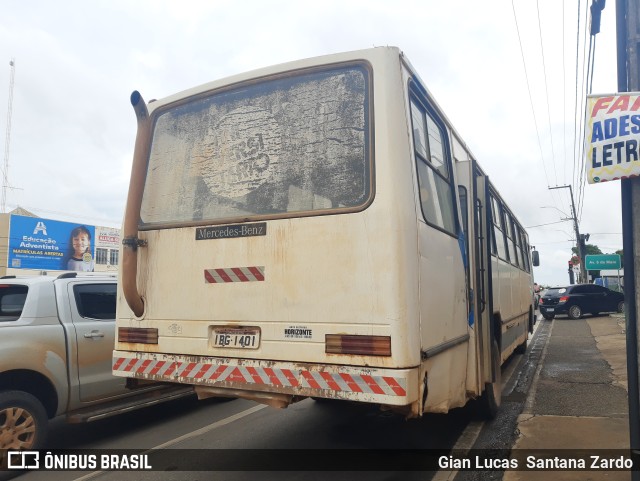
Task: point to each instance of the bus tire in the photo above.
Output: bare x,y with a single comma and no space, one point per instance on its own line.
325,400
522,348
491,398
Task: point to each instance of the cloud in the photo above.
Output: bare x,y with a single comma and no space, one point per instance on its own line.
77,62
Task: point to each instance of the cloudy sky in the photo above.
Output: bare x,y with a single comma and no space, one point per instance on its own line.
77,62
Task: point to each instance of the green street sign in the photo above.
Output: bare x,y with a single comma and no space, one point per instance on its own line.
604,261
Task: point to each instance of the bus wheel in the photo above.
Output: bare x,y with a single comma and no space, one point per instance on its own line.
522,348
325,400
489,402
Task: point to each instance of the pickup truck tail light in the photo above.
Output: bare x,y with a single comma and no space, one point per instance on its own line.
362,345
140,335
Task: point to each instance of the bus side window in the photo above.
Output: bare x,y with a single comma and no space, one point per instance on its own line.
511,240
462,194
524,246
498,235
432,165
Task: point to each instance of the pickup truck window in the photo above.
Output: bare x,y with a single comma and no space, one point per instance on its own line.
12,299
96,301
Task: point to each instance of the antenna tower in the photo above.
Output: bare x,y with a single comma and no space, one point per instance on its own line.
7,139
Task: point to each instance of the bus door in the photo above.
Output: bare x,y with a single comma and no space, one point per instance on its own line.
482,249
443,296
442,272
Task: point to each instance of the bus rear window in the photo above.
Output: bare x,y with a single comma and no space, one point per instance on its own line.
281,147
12,298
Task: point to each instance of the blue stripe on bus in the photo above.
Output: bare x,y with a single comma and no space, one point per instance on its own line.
463,250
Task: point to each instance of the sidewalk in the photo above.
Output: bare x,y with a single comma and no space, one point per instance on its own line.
578,399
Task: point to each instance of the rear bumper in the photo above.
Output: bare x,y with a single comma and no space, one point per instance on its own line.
397,387
553,310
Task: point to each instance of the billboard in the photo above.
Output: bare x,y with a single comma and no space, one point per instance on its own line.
45,244
612,136
107,237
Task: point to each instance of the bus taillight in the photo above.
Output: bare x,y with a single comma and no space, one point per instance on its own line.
138,335
362,345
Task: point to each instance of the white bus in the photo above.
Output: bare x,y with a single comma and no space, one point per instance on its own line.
318,229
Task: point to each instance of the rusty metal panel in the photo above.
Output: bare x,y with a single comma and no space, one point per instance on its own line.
393,387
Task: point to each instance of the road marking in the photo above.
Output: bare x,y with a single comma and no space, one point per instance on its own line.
193,434
210,427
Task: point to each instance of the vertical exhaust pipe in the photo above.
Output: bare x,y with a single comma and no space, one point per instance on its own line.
130,241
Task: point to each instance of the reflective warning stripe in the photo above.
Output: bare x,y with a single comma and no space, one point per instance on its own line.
247,376
234,274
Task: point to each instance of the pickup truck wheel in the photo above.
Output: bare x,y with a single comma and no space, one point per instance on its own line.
23,421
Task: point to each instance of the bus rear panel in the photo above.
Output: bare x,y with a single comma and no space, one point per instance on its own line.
296,232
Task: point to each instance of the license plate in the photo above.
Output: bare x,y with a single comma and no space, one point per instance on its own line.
236,337
550,309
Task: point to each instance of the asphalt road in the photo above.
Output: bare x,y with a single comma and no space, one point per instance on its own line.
289,435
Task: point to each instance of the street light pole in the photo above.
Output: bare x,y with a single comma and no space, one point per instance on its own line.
627,36
579,240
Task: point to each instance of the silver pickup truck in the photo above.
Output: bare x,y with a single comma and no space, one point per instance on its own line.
56,343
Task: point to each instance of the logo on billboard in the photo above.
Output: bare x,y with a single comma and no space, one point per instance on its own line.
40,229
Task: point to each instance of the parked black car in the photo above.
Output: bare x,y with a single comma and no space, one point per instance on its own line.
578,299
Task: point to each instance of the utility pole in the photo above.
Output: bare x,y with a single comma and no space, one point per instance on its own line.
7,139
628,40
579,240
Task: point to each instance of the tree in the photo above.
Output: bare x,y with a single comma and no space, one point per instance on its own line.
590,250
620,252
595,250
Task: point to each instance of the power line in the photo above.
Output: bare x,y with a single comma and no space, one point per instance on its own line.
564,102
526,75
546,90
549,223
596,10
582,179
575,102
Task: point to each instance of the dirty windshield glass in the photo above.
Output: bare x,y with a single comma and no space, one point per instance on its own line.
290,145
